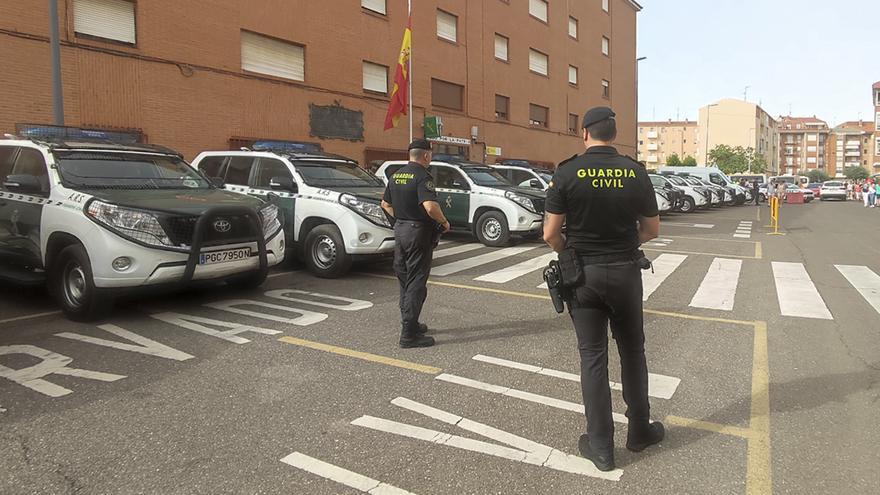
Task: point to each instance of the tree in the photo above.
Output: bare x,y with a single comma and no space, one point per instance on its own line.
736,160
673,160
855,173
817,176
689,161
755,161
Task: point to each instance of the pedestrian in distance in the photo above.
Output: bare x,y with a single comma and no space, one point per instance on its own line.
780,192
876,193
608,205
411,200
870,193
755,192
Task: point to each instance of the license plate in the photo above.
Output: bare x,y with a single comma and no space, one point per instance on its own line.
215,257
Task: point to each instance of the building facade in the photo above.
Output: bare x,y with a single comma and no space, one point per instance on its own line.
738,123
516,75
803,145
854,147
660,140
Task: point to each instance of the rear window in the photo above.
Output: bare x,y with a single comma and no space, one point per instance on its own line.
389,171
833,184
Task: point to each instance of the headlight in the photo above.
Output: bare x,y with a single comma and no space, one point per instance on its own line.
521,200
367,209
139,225
662,194
271,222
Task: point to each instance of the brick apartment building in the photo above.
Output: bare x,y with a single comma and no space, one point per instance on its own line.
857,143
738,123
803,144
659,140
220,74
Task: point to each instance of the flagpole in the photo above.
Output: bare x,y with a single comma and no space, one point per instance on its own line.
409,79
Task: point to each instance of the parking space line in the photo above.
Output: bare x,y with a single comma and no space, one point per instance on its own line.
342,476
365,356
29,317
734,431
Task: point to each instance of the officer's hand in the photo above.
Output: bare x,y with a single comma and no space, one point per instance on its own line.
445,226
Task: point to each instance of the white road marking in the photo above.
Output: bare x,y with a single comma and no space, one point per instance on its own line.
518,449
659,386
197,324
50,363
509,273
305,317
342,476
145,346
865,281
664,265
452,251
692,225
461,265
351,304
29,317
718,288
796,292
519,394
543,286
742,236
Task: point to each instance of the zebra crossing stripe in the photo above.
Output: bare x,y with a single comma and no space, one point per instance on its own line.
509,273
342,476
718,289
865,281
452,251
461,265
796,292
664,265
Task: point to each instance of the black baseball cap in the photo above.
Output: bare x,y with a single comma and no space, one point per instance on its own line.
596,115
420,144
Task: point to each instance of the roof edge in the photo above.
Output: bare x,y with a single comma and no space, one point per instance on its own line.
635,5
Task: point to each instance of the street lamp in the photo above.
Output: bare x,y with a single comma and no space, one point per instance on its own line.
55,60
708,114
749,145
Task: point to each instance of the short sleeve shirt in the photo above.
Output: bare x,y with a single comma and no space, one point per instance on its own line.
602,195
407,189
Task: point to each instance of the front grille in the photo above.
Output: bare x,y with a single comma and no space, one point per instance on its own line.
539,204
180,230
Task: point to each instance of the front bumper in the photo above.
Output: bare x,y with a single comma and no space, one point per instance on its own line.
833,195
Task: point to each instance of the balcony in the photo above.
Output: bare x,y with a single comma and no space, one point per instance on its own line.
653,147
652,159
853,153
653,135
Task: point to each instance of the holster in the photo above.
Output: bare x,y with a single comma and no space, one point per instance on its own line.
571,271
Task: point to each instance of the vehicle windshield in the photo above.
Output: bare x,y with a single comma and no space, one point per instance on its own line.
109,170
833,184
678,181
694,181
658,181
485,176
335,174
548,177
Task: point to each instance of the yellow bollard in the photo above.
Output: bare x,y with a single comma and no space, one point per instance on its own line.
774,216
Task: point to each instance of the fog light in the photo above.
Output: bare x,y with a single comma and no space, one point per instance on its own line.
281,245
122,263
364,237
522,219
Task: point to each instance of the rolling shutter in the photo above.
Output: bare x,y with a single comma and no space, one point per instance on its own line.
500,47
374,5
538,62
265,55
109,19
572,27
572,74
538,8
375,78
447,26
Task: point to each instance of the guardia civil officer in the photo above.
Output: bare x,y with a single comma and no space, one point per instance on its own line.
411,200
608,204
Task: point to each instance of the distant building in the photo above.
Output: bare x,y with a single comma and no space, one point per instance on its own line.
803,144
738,123
855,147
659,140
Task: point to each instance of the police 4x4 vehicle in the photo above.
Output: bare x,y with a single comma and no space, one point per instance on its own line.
93,218
525,176
477,199
331,207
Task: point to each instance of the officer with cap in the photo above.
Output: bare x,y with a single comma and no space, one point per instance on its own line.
411,200
608,205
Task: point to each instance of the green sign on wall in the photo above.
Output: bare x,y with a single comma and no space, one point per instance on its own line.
432,127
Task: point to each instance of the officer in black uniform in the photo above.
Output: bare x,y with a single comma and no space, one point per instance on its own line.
411,200
607,202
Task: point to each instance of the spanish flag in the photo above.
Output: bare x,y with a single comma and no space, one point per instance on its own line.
399,95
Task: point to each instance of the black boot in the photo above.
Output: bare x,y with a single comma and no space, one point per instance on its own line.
413,338
423,329
603,462
638,438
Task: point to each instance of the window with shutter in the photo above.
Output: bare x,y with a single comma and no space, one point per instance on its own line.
265,55
572,123
538,115
605,5
501,43
538,9
606,46
573,27
374,5
502,107
606,89
538,62
375,77
447,95
447,26
572,75
108,19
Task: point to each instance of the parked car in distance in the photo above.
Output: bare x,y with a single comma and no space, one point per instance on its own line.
664,206
816,187
791,188
832,189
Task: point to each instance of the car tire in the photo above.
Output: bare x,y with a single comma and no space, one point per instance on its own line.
492,229
687,205
73,285
248,281
324,252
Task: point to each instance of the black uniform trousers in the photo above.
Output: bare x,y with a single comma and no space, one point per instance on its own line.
413,250
611,292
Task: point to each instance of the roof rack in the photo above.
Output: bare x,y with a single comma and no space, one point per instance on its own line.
287,146
57,133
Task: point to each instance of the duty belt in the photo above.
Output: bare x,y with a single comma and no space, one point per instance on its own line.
607,259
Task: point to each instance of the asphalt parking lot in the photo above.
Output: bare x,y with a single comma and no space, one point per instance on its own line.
763,352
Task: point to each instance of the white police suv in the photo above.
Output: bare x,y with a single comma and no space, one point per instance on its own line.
525,176
477,199
331,207
94,219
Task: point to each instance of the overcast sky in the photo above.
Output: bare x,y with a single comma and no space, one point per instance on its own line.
813,57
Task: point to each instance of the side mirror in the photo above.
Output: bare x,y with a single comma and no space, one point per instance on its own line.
535,184
23,184
283,184
217,182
